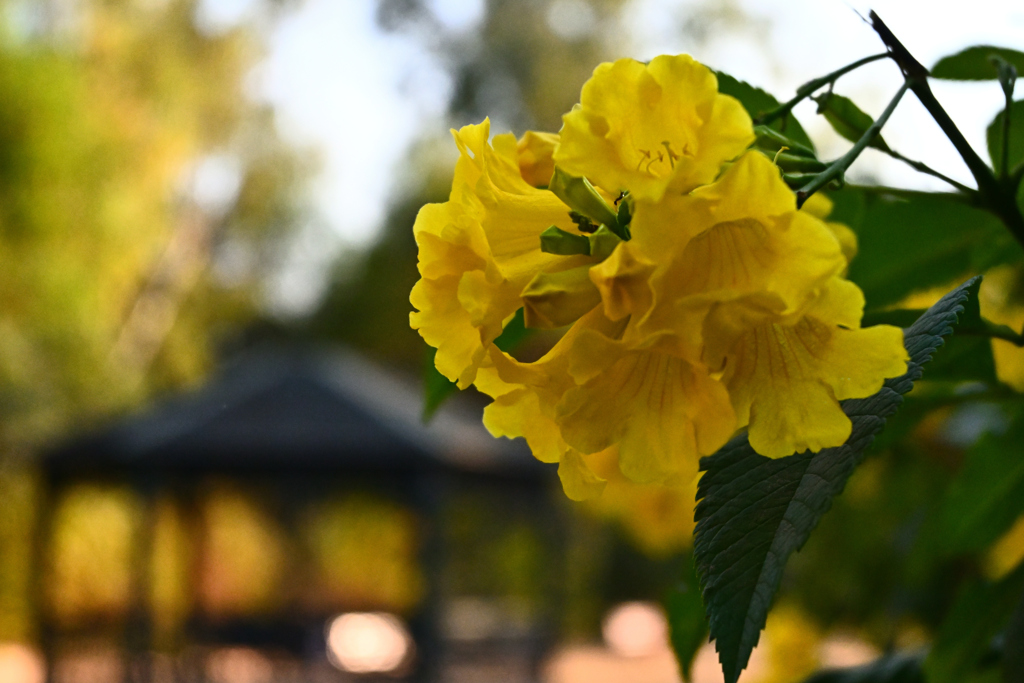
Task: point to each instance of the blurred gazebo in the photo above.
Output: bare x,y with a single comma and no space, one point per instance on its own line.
294,519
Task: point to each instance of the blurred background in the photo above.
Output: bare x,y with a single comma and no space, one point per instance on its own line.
212,460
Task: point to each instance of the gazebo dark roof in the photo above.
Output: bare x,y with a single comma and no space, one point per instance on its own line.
296,411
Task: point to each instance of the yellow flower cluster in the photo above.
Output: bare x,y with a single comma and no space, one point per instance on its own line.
697,299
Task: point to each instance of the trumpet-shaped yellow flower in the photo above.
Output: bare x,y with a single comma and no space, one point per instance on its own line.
707,303
478,250
787,373
648,128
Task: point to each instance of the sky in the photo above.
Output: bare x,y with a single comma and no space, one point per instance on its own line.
359,97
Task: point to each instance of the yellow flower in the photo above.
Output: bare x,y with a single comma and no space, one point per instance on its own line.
787,373
650,128
706,303
478,250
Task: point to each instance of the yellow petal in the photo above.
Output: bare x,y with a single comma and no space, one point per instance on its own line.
536,161
859,361
774,385
646,128
818,205
446,326
847,239
578,481
526,394
750,188
661,411
838,302
622,280
520,413
553,300
786,380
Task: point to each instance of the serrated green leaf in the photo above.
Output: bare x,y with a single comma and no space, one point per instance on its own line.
987,495
688,627
973,63
898,667
437,388
757,102
980,610
847,119
994,136
928,240
753,512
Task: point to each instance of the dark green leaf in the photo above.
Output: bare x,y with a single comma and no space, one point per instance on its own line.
899,667
757,102
927,240
687,624
994,135
980,610
437,387
847,118
754,512
987,495
973,64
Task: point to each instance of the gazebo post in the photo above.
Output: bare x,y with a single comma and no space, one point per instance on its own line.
40,562
139,623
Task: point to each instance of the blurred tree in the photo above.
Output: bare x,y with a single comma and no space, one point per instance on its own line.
141,197
130,162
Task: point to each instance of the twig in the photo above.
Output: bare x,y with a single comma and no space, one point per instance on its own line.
925,168
994,198
839,166
810,87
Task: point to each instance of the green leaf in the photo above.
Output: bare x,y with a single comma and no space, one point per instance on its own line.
847,118
987,495
757,102
927,240
753,512
898,667
437,388
994,136
973,64
980,610
688,626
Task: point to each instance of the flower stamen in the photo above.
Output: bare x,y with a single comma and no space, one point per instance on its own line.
672,156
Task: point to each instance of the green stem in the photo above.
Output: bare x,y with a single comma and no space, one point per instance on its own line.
842,163
994,196
925,168
1004,171
810,87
